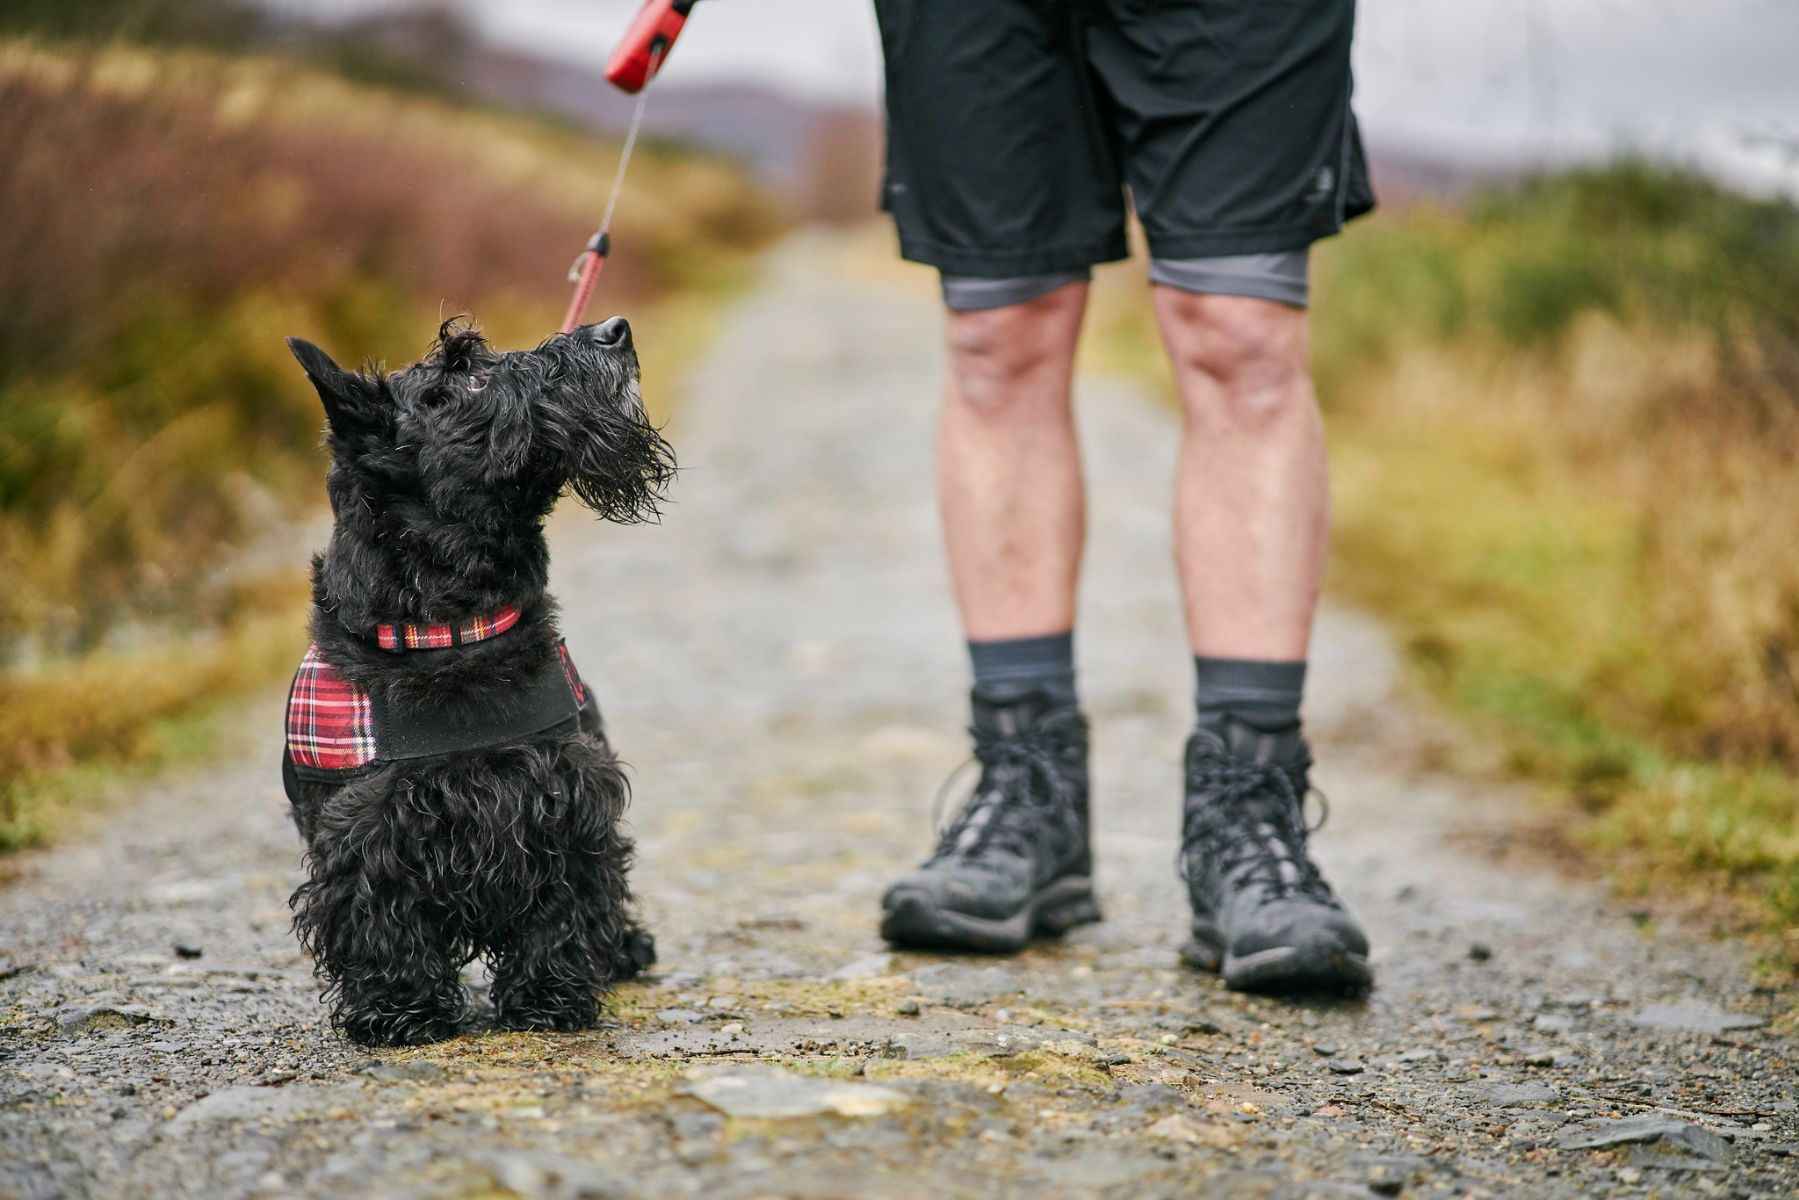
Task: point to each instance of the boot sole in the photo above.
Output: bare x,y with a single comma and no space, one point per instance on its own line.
912,919
1320,966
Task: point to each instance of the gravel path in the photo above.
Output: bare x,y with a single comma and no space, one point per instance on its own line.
780,663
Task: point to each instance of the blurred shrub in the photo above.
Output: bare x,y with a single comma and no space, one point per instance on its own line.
220,23
170,217
1566,428
1628,335
423,47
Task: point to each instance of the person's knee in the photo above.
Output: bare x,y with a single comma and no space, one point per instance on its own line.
1013,361
1252,353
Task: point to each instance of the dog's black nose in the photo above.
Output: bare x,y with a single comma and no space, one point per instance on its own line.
614,334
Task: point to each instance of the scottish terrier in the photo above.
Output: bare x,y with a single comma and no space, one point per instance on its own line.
445,762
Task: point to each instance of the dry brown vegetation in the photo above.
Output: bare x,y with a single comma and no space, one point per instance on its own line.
1565,433
170,218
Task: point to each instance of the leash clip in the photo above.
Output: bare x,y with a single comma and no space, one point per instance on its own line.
598,246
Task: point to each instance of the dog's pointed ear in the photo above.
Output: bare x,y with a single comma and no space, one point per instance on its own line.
348,397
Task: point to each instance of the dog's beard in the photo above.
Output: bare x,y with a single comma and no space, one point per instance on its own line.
622,470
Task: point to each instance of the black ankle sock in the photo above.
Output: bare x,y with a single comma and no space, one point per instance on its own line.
1256,691
1005,670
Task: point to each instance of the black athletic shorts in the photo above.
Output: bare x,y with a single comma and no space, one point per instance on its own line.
1013,124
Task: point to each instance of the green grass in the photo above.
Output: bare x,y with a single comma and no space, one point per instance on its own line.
1565,439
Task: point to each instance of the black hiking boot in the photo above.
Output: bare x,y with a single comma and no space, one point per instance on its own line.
1014,863
1262,914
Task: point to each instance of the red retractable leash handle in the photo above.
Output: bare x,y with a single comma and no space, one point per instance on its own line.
636,61
646,44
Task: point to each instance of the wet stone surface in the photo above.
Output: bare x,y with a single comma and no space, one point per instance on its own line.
780,664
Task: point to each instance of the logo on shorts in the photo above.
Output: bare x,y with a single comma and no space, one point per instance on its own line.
1324,182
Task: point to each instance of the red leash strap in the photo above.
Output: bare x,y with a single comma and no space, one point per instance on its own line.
585,275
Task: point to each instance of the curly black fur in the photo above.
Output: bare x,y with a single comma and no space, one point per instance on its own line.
441,477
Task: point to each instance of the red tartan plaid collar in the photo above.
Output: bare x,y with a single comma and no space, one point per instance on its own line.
400,636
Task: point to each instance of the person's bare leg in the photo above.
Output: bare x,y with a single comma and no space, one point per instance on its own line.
1251,523
1009,469
1252,497
1014,862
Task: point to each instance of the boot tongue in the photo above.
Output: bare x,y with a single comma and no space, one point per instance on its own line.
1007,715
1267,747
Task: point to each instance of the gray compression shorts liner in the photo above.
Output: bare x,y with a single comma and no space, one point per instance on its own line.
965,293
1279,276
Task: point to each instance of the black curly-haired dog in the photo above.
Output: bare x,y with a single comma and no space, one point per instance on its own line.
446,765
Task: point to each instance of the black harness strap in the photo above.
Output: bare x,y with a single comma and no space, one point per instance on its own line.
549,705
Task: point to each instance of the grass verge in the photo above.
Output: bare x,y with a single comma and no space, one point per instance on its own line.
1566,467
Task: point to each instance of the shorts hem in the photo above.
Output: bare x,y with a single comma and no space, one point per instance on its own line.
1265,239
1007,264
1254,289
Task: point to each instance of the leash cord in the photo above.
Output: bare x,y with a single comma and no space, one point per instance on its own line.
584,272
598,244
624,160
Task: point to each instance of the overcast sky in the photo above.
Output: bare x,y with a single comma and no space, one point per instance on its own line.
1711,79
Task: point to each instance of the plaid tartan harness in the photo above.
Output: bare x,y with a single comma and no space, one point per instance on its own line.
336,730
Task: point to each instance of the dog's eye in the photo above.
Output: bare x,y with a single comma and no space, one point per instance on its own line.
476,383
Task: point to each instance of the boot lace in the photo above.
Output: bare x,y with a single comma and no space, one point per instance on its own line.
1023,782
1249,826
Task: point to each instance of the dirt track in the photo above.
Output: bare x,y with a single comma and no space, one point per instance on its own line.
779,662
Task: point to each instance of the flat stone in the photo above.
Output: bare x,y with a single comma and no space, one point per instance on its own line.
1345,1066
1151,1098
1190,1131
920,1043
106,1017
961,986
678,1016
772,1093
1692,1016
250,1103
1423,1054
1015,1039
411,1071
541,1173
1510,1095
1391,1174
1648,1128
1663,1157
869,966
